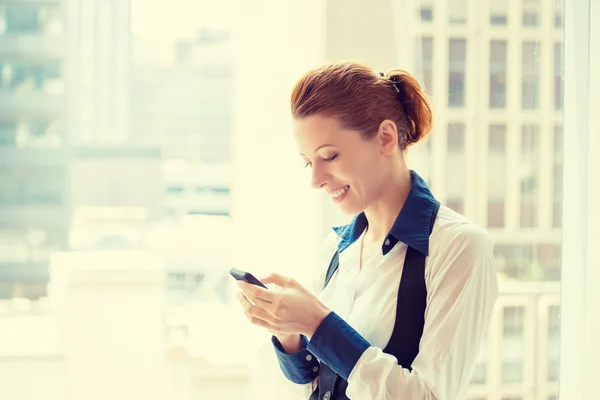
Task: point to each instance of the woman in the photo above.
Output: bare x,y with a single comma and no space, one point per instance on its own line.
402,304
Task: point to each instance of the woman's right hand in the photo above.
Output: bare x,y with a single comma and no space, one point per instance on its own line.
291,343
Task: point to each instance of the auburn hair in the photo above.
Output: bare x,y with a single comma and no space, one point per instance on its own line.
361,99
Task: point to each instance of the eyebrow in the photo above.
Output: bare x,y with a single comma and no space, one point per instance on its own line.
319,148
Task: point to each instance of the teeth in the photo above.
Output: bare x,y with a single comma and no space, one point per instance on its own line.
340,192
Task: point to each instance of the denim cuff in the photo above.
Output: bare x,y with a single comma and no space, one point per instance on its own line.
337,344
300,367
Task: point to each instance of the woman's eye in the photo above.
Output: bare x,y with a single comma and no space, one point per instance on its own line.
330,159
308,164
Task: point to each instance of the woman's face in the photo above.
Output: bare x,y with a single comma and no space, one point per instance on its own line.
352,170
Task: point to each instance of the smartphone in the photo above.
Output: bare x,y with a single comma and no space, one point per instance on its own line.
245,276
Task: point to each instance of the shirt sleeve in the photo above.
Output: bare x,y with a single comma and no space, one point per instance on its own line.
462,291
302,367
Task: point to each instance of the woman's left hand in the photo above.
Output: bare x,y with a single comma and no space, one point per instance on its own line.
286,309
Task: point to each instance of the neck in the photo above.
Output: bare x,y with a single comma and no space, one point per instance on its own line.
382,215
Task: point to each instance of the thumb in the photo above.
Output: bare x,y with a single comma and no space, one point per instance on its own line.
276,279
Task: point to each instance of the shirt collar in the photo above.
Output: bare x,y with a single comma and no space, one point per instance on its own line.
411,225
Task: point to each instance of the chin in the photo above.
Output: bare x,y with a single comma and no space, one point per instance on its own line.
349,208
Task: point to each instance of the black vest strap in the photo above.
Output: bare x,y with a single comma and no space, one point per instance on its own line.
408,328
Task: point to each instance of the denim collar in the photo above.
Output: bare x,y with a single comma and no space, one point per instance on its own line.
411,226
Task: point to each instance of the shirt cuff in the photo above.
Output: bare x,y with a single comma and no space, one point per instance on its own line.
300,367
337,344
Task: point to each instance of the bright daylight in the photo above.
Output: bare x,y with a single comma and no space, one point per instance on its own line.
414,183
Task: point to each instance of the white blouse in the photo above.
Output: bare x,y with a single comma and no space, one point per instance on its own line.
462,289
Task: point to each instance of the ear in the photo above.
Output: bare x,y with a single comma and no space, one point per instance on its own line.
388,137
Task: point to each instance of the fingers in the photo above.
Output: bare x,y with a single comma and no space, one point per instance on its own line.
256,291
277,279
255,313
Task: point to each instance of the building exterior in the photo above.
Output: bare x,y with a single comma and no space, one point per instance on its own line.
182,92
98,67
34,155
494,74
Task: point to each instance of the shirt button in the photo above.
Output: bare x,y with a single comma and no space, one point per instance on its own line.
327,395
308,357
387,242
316,369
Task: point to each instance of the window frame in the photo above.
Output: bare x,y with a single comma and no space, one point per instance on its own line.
580,324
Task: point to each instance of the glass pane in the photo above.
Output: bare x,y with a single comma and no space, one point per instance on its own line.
513,345
496,181
558,76
457,11
530,77
553,348
456,168
499,12
457,68
531,13
557,177
426,10
424,53
30,19
558,13
20,76
8,133
498,74
529,172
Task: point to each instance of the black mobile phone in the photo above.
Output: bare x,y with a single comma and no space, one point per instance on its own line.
245,276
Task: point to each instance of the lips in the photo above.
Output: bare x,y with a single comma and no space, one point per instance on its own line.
339,192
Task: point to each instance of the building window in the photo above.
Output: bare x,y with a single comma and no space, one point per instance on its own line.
553,346
529,175
531,72
499,12
549,259
557,177
8,133
531,10
426,10
457,11
21,76
425,54
496,172
558,76
498,74
175,189
559,9
456,138
513,345
457,70
456,167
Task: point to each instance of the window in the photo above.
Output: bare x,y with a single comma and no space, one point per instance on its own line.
457,11
426,10
457,66
498,74
22,76
513,345
558,76
557,177
425,55
529,175
531,10
176,189
558,13
553,346
531,70
8,133
499,12
456,168
496,175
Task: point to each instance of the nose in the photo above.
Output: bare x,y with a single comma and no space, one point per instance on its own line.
320,177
